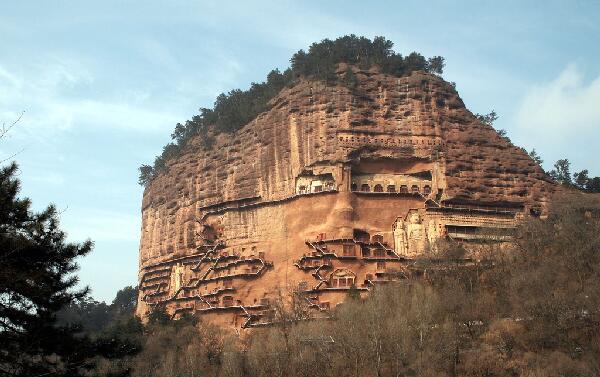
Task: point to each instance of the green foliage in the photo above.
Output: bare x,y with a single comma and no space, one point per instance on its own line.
487,119
561,172
593,185
90,315
528,308
536,157
159,316
95,317
350,79
436,65
353,293
322,58
581,179
503,134
125,327
146,174
125,301
585,183
233,110
36,281
114,330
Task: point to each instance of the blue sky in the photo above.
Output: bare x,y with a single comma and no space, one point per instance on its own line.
102,86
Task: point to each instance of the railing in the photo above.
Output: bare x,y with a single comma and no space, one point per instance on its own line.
501,210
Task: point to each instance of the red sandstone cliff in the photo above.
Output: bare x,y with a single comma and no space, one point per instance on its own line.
384,125
263,158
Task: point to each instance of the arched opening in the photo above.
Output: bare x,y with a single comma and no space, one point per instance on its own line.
209,234
414,189
365,188
404,189
361,235
353,187
391,188
342,278
427,190
378,188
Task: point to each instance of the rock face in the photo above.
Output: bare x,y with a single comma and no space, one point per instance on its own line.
332,188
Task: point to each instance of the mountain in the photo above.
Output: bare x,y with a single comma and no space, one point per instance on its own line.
334,188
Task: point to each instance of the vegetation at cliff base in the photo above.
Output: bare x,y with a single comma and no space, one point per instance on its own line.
530,309
232,110
525,309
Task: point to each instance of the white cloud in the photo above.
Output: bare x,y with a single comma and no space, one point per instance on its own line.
52,95
565,107
561,119
66,114
101,225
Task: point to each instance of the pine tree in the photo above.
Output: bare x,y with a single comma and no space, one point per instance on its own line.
436,64
593,185
36,281
146,174
233,110
581,179
125,301
350,79
561,172
536,157
488,119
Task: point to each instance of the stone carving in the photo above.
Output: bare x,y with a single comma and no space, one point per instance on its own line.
415,233
244,191
412,238
432,236
400,241
177,277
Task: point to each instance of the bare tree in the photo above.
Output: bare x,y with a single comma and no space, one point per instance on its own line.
5,129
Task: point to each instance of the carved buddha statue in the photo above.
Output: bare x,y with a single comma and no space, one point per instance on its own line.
415,232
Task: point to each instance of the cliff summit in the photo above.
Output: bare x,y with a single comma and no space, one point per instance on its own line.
337,185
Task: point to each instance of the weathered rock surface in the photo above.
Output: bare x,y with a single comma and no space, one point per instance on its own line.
324,189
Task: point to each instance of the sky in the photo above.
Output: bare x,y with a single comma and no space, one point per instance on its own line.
102,85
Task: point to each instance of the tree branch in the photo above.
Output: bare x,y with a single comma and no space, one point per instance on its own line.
5,128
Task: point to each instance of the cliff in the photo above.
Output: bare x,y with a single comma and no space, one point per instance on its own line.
377,173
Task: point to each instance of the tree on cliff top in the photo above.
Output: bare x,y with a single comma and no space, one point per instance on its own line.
232,110
536,157
487,119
